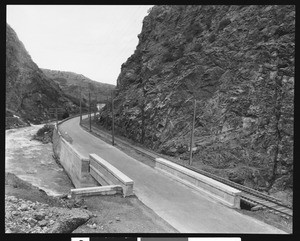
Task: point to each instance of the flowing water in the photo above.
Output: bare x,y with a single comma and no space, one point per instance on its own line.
33,162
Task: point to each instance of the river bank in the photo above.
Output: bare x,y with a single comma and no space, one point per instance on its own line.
36,184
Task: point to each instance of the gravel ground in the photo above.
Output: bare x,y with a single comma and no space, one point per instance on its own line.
29,209
25,216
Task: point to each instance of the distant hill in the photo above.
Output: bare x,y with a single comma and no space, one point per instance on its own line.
29,92
71,83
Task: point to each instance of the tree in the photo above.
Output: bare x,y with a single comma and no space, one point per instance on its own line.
65,115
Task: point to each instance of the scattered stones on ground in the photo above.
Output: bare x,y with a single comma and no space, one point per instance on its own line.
24,216
257,207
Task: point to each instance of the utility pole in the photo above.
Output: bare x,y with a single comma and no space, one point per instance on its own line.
95,108
80,107
113,118
56,116
192,133
90,111
107,102
143,116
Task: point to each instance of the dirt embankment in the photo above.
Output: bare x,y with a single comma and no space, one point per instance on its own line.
29,209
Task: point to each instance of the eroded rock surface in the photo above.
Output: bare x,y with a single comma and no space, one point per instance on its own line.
238,61
29,93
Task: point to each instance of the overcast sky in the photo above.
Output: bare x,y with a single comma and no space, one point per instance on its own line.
93,40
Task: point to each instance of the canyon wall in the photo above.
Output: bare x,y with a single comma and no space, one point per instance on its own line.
238,62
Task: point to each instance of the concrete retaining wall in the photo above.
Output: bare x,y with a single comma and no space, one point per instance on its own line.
106,174
75,165
217,190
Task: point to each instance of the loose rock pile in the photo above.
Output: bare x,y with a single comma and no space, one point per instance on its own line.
25,216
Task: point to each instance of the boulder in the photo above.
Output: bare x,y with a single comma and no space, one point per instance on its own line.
69,220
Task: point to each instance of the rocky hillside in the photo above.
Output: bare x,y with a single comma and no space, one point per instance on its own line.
238,62
72,83
29,93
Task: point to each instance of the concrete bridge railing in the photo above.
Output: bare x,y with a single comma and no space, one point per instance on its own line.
107,174
87,174
225,194
75,165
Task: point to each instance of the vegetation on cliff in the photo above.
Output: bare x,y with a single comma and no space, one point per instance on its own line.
75,84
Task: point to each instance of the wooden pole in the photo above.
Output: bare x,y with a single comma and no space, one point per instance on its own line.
56,117
143,116
192,134
95,109
80,108
90,112
113,119
107,102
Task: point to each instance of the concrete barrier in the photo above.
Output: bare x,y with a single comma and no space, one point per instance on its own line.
217,190
91,191
107,174
75,165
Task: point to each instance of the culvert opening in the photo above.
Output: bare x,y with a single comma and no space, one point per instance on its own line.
246,205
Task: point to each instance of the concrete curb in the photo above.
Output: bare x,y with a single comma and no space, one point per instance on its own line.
91,191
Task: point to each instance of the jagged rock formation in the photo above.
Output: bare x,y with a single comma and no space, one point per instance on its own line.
72,84
238,62
29,93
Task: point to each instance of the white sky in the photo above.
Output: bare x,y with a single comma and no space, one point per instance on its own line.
93,40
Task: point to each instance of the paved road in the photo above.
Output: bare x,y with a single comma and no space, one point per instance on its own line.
183,208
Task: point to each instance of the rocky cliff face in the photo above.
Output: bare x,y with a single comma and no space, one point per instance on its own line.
238,62
29,93
72,84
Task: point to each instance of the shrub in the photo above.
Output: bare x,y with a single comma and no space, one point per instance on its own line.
65,115
46,128
44,134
